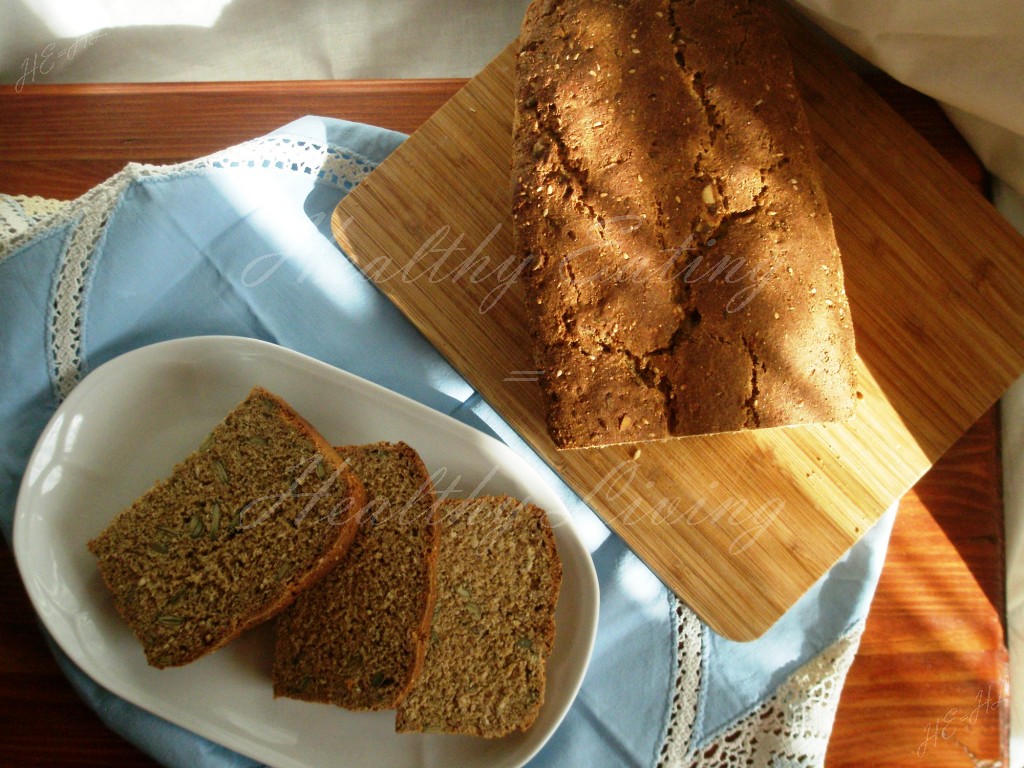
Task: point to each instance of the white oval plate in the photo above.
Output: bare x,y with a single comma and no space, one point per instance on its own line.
126,424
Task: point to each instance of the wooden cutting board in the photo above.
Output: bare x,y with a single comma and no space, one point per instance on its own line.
738,525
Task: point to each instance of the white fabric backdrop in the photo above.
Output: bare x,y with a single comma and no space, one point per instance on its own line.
970,60
968,56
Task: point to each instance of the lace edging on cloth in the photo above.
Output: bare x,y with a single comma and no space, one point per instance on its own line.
689,639
23,219
789,728
19,213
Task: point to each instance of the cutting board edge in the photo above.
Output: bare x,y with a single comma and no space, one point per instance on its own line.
795,597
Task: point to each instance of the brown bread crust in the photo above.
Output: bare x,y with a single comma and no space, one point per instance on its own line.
685,277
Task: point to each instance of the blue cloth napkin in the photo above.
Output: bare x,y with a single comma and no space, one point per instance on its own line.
240,244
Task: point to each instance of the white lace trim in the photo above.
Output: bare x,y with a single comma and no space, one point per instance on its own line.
687,687
21,223
65,331
21,212
339,168
790,728
12,218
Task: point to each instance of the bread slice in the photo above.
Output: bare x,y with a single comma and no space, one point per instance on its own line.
684,275
358,637
260,511
493,628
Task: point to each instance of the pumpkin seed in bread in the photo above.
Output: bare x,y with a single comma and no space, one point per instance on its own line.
358,637
259,512
498,579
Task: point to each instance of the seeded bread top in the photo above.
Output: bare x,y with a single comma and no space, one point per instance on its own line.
357,639
685,277
493,628
261,510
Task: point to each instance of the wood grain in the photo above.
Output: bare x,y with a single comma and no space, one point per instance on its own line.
929,683
738,525
44,722
207,117
904,656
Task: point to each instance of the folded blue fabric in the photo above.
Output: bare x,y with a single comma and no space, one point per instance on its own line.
240,244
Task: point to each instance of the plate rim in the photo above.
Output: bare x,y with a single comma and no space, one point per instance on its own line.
130,690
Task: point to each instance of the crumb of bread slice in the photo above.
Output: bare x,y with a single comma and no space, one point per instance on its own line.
357,638
260,511
499,575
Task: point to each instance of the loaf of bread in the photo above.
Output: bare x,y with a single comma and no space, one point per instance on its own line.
684,276
493,628
357,638
259,512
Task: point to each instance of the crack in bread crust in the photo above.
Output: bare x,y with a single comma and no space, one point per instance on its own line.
682,119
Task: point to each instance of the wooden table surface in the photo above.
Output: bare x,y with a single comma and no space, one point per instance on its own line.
927,687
